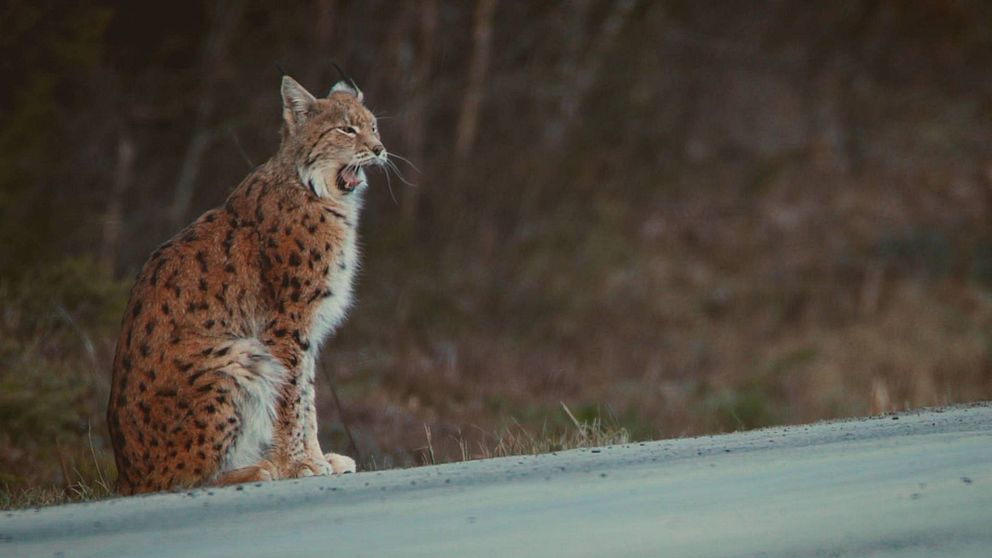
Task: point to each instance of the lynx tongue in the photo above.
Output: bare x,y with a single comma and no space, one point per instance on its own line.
348,179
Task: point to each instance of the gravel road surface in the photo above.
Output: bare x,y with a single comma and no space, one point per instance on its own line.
913,484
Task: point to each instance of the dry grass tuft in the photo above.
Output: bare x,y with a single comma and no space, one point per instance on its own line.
517,439
82,490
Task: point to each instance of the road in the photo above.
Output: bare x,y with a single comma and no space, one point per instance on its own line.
913,484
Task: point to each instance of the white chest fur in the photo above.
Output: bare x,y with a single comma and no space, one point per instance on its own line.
340,277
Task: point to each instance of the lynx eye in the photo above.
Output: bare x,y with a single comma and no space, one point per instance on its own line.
348,130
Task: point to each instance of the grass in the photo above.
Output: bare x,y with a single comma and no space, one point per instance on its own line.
517,439
81,490
95,483
57,325
87,481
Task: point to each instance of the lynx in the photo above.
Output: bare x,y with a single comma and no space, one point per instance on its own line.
213,379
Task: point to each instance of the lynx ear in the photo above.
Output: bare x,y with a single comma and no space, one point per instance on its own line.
297,102
348,87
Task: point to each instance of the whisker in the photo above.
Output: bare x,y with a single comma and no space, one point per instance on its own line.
404,159
389,186
399,174
396,170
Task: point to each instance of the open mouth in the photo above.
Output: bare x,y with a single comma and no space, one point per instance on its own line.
348,179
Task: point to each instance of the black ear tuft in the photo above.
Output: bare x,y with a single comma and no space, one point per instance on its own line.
345,77
346,84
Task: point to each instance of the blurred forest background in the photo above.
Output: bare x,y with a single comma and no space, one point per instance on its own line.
676,217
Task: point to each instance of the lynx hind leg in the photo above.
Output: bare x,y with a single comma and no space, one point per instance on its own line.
340,464
258,377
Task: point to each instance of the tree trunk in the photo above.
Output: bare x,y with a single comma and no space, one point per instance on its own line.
227,15
113,222
574,36
468,116
323,32
577,85
417,104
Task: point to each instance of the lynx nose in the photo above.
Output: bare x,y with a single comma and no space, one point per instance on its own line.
378,149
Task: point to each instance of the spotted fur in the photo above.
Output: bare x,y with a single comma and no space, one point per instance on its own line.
213,378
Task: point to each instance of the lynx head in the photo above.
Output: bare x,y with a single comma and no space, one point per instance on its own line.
329,140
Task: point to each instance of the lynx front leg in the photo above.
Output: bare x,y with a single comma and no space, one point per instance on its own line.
292,450
308,400
339,464
300,260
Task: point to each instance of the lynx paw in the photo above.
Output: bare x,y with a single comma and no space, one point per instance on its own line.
340,464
